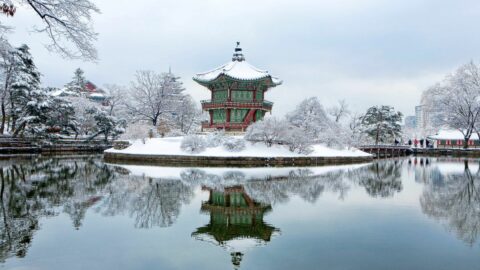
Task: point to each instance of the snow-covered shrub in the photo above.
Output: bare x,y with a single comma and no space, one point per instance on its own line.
297,141
136,131
234,144
270,130
215,139
193,144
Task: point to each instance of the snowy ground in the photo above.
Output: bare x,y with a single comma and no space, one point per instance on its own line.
171,146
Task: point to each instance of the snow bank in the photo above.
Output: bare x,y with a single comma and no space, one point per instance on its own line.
171,146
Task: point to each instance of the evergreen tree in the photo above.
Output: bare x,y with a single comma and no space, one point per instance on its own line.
25,84
382,123
77,85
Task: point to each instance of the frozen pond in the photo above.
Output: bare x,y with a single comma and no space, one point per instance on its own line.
80,213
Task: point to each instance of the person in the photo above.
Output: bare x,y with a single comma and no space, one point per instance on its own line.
427,143
415,142
396,142
421,143
410,142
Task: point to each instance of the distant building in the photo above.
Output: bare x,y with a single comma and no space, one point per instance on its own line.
453,139
410,122
420,117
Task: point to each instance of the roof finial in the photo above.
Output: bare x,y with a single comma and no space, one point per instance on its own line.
238,55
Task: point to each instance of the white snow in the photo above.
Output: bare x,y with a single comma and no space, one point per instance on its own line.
96,95
451,134
171,146
238,70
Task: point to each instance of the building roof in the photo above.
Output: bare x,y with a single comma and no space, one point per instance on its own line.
238,69
451,134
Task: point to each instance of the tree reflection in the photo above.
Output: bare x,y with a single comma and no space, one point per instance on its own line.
381,179
32,189
456,200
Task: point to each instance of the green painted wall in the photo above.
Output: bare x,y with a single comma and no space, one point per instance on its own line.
245,96
259,115
237,115
219,116
259,96
220,96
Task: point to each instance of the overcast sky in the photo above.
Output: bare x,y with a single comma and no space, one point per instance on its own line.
368,52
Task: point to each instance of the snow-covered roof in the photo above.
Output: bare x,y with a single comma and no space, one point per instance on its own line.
241,70
451,134
96,95
238,68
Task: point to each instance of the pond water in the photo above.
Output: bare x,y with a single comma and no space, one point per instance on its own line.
80,213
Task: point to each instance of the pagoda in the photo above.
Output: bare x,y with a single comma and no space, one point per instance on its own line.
236,222
237,94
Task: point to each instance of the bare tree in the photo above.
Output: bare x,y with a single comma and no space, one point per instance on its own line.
340,111
116,97
66,22
155,96
457,100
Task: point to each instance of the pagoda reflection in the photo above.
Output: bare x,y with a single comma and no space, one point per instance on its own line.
236,222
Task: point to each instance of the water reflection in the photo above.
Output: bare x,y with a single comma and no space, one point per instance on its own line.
455,199
239,200
236,221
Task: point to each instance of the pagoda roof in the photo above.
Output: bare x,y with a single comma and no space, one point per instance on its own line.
237,69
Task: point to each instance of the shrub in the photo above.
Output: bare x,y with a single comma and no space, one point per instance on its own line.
215,139
193,144
234,144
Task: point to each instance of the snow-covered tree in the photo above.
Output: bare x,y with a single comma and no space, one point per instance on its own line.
339,111
115,101
193,144
317,127
456,100
85,121
77,84
8,68
106,124
155,96
382,123
67,23
270,130
25,84
297,141
187,117
310,116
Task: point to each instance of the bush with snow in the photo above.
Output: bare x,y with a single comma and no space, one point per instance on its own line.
216,138
297,141
234,144
193,144
137,131
270,130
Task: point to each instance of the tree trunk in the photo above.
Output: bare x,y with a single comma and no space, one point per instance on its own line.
4,117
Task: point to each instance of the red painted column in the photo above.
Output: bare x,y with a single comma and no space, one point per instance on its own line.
211,117
228,116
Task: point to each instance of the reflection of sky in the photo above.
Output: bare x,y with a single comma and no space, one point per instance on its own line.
357,232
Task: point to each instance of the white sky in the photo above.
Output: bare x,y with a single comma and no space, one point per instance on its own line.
368,52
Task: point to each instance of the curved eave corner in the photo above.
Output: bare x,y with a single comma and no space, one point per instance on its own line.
274,80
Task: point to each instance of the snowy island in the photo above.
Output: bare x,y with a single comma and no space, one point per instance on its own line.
168,151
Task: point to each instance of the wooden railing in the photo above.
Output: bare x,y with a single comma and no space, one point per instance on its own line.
208,104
